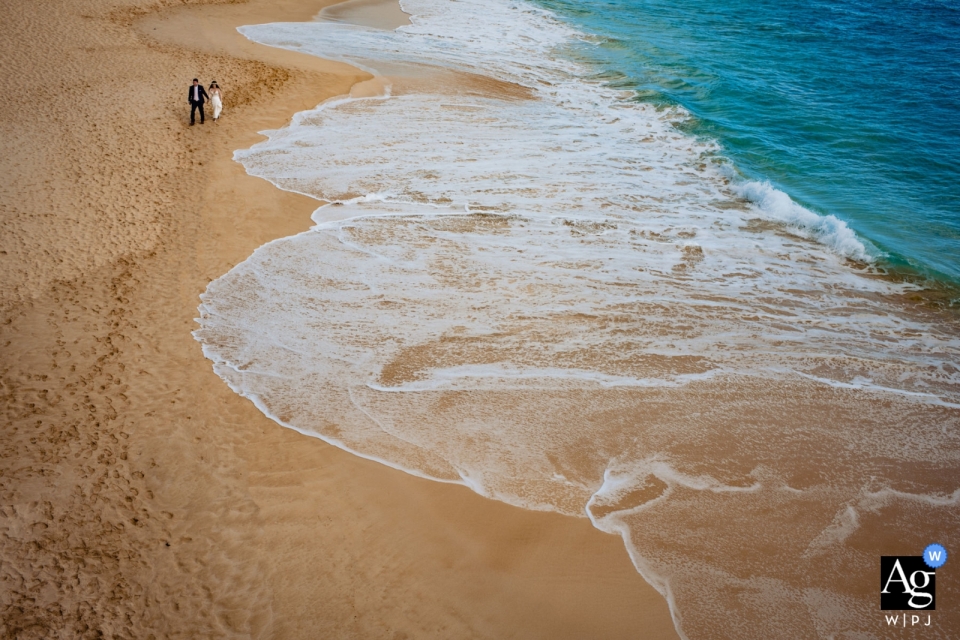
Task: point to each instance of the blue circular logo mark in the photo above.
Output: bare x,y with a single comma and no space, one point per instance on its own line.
934,555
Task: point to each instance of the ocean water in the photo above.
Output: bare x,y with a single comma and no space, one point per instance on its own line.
528,279
850,106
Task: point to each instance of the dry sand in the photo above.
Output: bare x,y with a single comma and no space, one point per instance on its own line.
139,496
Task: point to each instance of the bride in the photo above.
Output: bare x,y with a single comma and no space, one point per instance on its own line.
216,99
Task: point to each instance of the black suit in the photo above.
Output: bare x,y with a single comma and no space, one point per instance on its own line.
198,103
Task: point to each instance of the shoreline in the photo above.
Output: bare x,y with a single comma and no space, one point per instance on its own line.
140,494
280,37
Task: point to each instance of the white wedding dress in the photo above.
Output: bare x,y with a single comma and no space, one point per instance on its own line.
217,103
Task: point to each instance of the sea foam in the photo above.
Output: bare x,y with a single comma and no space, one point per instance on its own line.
562,302
827,229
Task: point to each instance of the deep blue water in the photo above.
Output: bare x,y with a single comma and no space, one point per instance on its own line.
850,106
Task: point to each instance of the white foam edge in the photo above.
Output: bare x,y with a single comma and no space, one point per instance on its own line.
865,385
255,399
651,577
466,479
847,520
441,379
876,499
613,524
387,197
329,103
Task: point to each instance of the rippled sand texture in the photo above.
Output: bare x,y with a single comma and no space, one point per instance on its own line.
565,304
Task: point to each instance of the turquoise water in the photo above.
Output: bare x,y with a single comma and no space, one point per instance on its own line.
556,303
852,107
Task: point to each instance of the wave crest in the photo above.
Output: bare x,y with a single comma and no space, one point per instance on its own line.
825,229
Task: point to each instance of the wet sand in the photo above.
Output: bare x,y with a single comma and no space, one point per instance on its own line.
380,14
140,496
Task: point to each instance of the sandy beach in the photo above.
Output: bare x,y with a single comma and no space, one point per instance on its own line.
140,497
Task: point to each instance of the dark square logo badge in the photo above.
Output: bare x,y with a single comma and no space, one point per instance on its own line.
907,583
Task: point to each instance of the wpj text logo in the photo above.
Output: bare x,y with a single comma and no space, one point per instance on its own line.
910,583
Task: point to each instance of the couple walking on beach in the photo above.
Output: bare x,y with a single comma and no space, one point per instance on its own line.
197,96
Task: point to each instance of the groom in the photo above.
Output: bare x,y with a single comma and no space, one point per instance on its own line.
196,98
